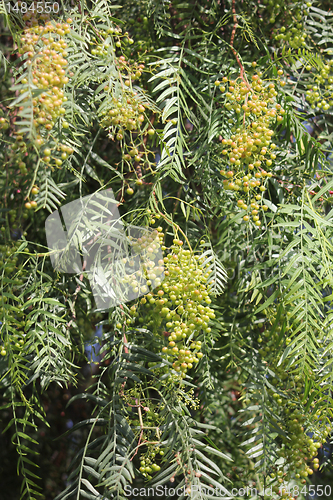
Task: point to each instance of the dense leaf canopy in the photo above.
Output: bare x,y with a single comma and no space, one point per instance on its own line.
203,130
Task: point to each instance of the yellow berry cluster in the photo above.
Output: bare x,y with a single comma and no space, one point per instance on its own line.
32,203
124,110
45,50
250,148
118,110
35,13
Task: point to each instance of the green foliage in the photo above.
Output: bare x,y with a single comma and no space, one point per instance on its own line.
179,108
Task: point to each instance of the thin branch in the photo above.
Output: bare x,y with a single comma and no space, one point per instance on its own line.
241,75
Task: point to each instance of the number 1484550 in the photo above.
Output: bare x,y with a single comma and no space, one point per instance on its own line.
39,7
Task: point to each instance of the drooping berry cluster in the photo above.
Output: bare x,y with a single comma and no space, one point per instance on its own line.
113,38
120,108
286,13
179,306
14,271
320,95
123,109
298,444
44,49
289,20
298,448
294,36
148,461
250,148
124,113
144,414
150,274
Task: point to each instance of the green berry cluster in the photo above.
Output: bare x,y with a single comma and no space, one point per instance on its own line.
13,269
179,306
143,43
105,42
123,113
295,36
17,341
124,109
148,463
8,256
297,449
320,95
290,17
294,446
